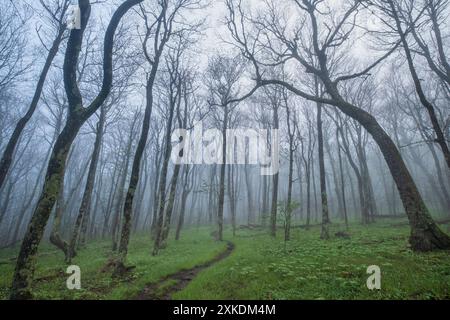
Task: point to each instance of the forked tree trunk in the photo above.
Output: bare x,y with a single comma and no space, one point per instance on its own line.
26,261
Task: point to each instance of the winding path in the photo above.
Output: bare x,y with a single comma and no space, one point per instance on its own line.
167,286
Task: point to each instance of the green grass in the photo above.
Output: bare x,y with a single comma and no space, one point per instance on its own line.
309,268
260,267
194,247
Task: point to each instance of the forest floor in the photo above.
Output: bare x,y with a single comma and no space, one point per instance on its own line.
255,266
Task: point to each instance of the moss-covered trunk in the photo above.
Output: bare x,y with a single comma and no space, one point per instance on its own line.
26,261
425,234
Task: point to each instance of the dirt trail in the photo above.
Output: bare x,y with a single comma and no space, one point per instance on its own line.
167,286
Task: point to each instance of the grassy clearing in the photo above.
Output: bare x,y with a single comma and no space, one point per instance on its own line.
260,267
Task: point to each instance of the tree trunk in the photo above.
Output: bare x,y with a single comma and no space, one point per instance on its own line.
23,275
184,196
21,287
273,210
86,202
325,232
222,176
425,234
83,213
170,205
163,181
440,138
341,170
6,160
250,214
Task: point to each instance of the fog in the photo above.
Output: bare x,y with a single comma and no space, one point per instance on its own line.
353,102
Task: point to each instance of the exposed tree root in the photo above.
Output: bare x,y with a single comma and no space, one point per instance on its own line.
117,268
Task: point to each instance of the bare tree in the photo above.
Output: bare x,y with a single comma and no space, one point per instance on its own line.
224,74
56,12
401,19
425,234
24,271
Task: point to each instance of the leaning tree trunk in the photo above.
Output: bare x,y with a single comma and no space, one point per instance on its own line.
6,160
425,234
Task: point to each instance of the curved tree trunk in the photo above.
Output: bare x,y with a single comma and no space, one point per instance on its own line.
425,234
26,261
21,287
